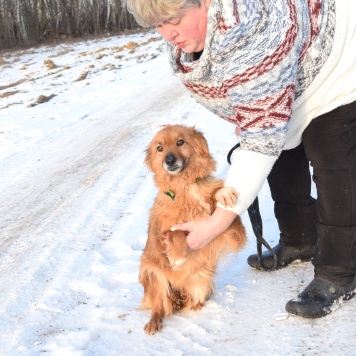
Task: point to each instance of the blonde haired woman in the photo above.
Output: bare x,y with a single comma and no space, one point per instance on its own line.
283,72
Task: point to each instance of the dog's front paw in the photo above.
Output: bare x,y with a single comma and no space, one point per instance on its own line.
197,306
226,196
177,248
176,264
154,325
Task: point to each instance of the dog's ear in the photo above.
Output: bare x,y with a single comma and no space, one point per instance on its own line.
200,143
148,158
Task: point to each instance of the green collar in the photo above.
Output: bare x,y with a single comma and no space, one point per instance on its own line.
172,195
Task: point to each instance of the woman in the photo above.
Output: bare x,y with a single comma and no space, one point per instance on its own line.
283,72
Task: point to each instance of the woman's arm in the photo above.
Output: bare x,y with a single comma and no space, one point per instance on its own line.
247,182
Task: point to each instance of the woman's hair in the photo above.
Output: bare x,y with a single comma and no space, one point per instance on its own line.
149,13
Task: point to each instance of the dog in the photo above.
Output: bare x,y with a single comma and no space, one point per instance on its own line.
175,278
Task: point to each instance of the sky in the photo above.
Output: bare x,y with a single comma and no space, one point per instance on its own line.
75,194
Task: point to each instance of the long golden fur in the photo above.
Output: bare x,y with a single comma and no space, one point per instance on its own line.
175,278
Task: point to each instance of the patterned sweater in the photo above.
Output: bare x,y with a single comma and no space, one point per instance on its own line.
270,67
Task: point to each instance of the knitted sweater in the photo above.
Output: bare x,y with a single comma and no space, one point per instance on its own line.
271,66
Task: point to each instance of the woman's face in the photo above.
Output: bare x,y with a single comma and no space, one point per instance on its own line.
187,31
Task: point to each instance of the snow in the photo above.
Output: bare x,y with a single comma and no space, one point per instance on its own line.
74,203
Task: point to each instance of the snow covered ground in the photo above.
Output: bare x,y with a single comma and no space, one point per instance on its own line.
75,120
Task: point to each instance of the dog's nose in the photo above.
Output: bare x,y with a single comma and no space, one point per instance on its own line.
170,160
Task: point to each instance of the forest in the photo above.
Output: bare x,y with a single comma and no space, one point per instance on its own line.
26,22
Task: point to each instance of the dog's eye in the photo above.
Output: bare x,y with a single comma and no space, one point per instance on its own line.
159,148
180,143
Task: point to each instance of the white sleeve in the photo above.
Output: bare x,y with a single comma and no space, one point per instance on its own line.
247,174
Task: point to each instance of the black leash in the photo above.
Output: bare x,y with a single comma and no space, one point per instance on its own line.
256,222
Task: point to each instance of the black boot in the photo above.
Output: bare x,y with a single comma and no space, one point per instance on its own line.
335,277
285,256
320,298
297,224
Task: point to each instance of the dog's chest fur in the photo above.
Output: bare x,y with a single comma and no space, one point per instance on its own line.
190,201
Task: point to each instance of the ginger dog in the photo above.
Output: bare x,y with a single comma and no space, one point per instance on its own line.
175,278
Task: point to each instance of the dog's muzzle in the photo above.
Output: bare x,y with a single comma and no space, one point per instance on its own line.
172,164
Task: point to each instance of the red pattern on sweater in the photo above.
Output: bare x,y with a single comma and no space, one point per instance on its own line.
315,8
267,64
223,27
218,92
182,67
276,109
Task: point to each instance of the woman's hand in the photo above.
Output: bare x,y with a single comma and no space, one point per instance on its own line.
202,231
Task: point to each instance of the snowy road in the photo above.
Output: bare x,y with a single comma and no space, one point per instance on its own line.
74,202
43,187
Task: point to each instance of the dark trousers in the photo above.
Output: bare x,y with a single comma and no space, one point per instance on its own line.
329,144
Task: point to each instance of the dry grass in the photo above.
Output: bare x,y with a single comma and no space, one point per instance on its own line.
101,49
82,76
17,58
2,62
28,51
62,53
7,106
41,99
8,93
29,74
108,66
152,39
9,58
50,64
131,45
2,87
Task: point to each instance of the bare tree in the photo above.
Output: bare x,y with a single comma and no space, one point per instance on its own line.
32,21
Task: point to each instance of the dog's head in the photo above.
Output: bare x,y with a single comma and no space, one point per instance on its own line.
179,150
